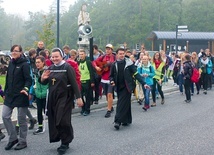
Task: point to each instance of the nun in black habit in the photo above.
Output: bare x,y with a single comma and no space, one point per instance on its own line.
62,87
123,74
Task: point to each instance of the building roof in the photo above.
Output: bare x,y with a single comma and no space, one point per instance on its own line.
184,35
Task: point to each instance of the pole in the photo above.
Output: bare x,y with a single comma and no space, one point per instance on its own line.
91,49
176,40
57,23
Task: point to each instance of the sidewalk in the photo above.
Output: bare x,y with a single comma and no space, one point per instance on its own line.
167,88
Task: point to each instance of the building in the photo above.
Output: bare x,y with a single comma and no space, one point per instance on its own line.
187,41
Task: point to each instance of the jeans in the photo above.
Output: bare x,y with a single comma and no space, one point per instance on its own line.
180,82
146,92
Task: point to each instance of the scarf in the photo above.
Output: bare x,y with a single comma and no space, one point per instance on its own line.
157,63
205,61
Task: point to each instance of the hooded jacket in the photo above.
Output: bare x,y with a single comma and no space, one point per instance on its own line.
130,74
149,69
18,78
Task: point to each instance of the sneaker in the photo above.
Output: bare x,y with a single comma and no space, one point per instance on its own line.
108,114
1,136
197,92
17,129
205,92
32,123
139,101
117,126
146,107
162,101
82,112
20,146
153,104
187,101
32,106
96,102
38,131
63,148
86,113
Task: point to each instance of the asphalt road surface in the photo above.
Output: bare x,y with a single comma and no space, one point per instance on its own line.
175,128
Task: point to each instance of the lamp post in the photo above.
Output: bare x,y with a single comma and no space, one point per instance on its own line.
57,23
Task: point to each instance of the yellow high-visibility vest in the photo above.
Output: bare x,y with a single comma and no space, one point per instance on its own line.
158,71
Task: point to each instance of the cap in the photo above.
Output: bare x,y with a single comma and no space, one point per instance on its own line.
110,46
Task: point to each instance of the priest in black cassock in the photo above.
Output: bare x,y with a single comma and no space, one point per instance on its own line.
62,87
123,74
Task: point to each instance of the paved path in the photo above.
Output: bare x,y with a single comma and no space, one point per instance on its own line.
167,88
175,128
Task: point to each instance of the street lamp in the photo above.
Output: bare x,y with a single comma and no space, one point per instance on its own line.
57,23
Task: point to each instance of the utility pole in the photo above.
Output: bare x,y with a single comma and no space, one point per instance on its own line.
58,3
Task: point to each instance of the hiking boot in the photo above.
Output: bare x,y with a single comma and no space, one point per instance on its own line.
38,131
108,114
11,144
32,123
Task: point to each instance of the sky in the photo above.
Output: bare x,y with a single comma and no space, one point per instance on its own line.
21,7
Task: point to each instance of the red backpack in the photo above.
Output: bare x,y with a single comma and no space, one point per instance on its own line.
195,75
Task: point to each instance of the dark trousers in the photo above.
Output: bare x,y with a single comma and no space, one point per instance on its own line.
159,87
41,103
175,76
197,84
87,92
187,84
204,79
97,88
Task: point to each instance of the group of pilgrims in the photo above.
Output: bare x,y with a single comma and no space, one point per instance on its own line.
58,80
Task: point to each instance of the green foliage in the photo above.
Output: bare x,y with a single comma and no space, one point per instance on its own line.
47,34
113,21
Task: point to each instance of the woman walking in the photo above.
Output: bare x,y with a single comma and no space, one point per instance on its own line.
62,87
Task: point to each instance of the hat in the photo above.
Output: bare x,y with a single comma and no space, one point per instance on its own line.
110,46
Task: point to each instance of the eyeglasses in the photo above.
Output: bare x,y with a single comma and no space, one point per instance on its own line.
15,51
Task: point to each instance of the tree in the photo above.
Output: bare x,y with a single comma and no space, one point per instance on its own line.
47,35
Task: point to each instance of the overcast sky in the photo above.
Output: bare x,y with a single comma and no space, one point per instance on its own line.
21,7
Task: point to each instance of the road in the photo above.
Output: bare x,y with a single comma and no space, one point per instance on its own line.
175,128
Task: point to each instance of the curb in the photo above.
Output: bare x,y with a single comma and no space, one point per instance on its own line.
100,105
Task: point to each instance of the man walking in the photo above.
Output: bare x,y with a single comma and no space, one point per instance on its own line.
121,75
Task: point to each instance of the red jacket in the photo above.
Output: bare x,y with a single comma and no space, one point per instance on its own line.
109,59
75,66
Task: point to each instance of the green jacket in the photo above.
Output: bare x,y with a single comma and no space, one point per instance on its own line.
40,90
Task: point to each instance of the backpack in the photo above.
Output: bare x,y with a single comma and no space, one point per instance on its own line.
195,75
